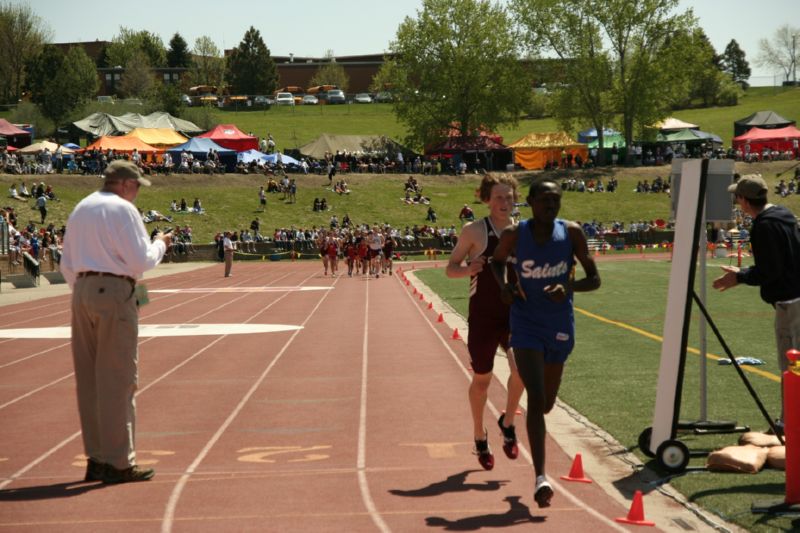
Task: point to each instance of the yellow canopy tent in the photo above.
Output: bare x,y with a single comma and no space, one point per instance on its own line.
160,138
535,150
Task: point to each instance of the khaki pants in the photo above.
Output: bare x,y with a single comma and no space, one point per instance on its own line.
105,329
787,334
228,262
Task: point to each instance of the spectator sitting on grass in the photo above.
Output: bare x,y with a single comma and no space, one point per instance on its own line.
317,205
197,207
466,214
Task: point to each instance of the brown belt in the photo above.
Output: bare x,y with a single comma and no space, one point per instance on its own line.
109,274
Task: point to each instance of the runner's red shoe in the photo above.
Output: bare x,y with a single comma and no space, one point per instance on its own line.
509,439
484,453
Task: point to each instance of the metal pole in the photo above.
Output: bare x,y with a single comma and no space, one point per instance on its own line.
701,325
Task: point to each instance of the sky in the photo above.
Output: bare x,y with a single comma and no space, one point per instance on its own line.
351,27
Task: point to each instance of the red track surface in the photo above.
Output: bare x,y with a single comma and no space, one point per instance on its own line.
357,422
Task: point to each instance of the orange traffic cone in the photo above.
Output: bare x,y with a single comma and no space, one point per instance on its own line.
456,336
415,290
441,318
430,305
408,282
576,472
636,513
421,297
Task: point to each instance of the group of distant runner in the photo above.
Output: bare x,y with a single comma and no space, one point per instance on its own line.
369,251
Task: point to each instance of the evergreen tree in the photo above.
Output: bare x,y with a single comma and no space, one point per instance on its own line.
735,64
178,53
250,69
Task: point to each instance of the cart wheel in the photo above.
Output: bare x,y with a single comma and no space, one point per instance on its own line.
673,455
644,442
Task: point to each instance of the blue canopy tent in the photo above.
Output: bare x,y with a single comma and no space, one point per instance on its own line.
285,159
587,136
199,147
248,156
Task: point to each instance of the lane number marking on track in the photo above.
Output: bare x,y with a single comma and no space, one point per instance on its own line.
264,454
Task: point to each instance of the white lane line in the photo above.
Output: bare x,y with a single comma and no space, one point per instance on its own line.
34,391
496,413
361,463
243,289
154,330
177,491
77,434
34,354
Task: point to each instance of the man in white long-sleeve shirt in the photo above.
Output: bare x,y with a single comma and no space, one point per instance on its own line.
106,250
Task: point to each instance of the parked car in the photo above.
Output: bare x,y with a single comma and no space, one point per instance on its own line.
362,98
186,100
310,99
263,100
284,99
105,99
336,96
384,97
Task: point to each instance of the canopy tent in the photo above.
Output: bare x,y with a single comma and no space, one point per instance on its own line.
121,144
687,136
102,124
40,146
358,144
590,135
477,152
760,119
158,137
781,139
16,137
199,147
455,131
608,141
672,123
249,156
285,159
229,136
536,150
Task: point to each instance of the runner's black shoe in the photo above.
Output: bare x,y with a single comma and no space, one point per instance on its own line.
509,439
484,453
543,492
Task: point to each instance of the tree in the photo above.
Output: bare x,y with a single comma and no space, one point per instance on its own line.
646,72
735,64
456,65
250,69
178,53
22,35
781,53
331,73
137,80
125,45
61,83
208,65
584,92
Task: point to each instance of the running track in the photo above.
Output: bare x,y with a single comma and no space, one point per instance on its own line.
356,421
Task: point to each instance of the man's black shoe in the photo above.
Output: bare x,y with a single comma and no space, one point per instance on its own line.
94,470
128,475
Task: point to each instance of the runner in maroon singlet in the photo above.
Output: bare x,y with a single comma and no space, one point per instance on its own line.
488,315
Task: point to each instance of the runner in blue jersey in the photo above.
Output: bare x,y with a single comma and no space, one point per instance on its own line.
544,249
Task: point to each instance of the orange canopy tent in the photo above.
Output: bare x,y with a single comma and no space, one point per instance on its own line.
122,144
159,138
535,150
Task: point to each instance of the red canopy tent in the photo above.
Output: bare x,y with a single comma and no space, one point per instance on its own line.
229,136
15,136
780,139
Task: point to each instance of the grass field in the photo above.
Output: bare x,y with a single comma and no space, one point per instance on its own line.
612,374
231,200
